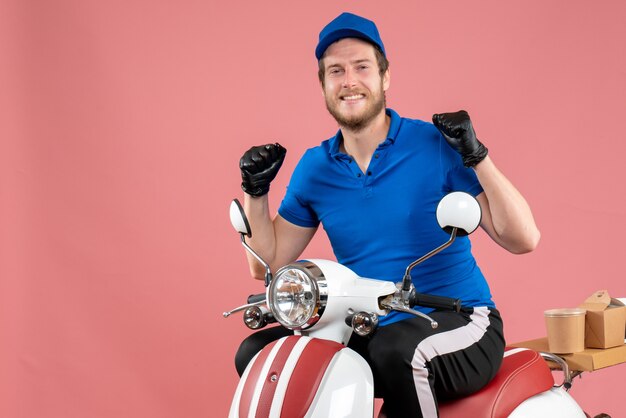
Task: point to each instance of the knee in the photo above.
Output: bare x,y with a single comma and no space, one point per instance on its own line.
388,354
255,343
247,350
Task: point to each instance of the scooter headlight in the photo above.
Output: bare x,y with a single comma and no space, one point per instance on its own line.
297,295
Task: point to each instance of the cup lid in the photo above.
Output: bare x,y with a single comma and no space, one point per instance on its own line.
565,312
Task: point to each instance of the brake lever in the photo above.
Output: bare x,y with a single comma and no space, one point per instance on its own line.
243,308
393,304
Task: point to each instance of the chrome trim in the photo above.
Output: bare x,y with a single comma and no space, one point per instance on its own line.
254,317
367,320
394,304
242,307
568,375
320,286
407,281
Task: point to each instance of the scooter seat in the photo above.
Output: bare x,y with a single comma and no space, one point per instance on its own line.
523,374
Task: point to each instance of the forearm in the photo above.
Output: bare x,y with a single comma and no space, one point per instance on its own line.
512,222
263,239
276,240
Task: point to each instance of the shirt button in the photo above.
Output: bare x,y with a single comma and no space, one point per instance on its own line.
375,155
358,175
369,173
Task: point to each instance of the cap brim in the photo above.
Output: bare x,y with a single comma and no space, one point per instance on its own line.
332,37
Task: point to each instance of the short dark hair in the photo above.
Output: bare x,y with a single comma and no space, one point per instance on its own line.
381,59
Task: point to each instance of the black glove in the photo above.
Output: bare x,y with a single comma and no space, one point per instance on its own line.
259,165
457,129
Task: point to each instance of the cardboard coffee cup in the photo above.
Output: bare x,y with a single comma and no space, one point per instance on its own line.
566,330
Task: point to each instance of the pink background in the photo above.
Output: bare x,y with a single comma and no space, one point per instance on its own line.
121,128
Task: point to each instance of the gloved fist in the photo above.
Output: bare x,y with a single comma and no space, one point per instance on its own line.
458,131
259,165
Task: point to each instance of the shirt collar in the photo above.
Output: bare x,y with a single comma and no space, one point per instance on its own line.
394,127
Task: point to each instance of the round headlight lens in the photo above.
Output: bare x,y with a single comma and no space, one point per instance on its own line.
294,297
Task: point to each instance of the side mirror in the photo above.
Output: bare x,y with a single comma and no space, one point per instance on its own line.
238,219
459,214
459,210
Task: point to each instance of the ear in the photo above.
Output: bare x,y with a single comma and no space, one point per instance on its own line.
386,80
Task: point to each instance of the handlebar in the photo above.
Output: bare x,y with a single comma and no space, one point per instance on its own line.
437,302
256,298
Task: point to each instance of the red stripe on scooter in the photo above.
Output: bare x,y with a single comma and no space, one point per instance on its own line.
307,375
273,376
253,377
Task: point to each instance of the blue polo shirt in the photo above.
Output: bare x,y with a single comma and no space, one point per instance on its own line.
381,220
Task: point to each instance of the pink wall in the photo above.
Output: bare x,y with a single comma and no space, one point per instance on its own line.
121,126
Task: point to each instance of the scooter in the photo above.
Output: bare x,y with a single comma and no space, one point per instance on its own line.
314,374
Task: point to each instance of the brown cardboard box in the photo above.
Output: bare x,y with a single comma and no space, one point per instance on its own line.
605,321
587,360
623,302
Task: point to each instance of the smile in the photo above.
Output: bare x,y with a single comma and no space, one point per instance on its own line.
353,97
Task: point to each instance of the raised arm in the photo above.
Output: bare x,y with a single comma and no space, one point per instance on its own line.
507,218
276,240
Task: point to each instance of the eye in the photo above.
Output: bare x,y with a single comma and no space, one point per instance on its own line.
334,71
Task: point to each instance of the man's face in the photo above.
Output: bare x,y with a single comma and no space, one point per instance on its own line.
353,88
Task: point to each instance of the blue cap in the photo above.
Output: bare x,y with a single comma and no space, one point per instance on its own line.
348,25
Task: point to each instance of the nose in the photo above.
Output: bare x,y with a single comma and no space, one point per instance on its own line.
348,80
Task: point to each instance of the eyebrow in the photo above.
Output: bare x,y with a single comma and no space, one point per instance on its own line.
359,61
354,62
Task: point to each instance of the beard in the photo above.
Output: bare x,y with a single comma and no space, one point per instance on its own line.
358,122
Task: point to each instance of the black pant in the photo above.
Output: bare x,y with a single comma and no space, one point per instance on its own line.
415,366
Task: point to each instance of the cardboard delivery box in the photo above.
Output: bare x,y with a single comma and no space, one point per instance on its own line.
605,321
589,359
623,302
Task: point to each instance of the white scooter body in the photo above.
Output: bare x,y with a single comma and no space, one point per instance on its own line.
338,382
346,390
555,403
346,387
314,375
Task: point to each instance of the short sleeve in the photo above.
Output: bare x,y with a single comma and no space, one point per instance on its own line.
295,207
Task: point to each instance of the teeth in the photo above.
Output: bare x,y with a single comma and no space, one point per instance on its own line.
355,97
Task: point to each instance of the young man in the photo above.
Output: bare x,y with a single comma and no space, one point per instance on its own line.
375,186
